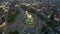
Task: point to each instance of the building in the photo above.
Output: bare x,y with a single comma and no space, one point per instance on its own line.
57,17
28,19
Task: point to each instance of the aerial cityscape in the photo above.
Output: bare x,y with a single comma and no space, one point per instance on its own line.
29,16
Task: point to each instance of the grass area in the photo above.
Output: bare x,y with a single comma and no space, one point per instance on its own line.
17,11
24,7
46,20
44,29
1,11
29,9
41,17
46,32
12,17
33,11
49,23
15,32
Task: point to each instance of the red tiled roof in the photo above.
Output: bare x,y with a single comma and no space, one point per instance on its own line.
1,23
58,15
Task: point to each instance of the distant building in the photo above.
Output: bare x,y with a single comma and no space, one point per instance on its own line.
57,17
1,1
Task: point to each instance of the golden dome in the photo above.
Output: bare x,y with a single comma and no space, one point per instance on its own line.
29,16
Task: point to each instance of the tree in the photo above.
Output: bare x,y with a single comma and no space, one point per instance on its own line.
15,32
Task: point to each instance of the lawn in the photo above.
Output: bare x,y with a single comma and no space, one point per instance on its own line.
44,29
12,17
15,32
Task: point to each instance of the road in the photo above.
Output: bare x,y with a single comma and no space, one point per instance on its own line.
49,28
37,28
39,24
18,24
